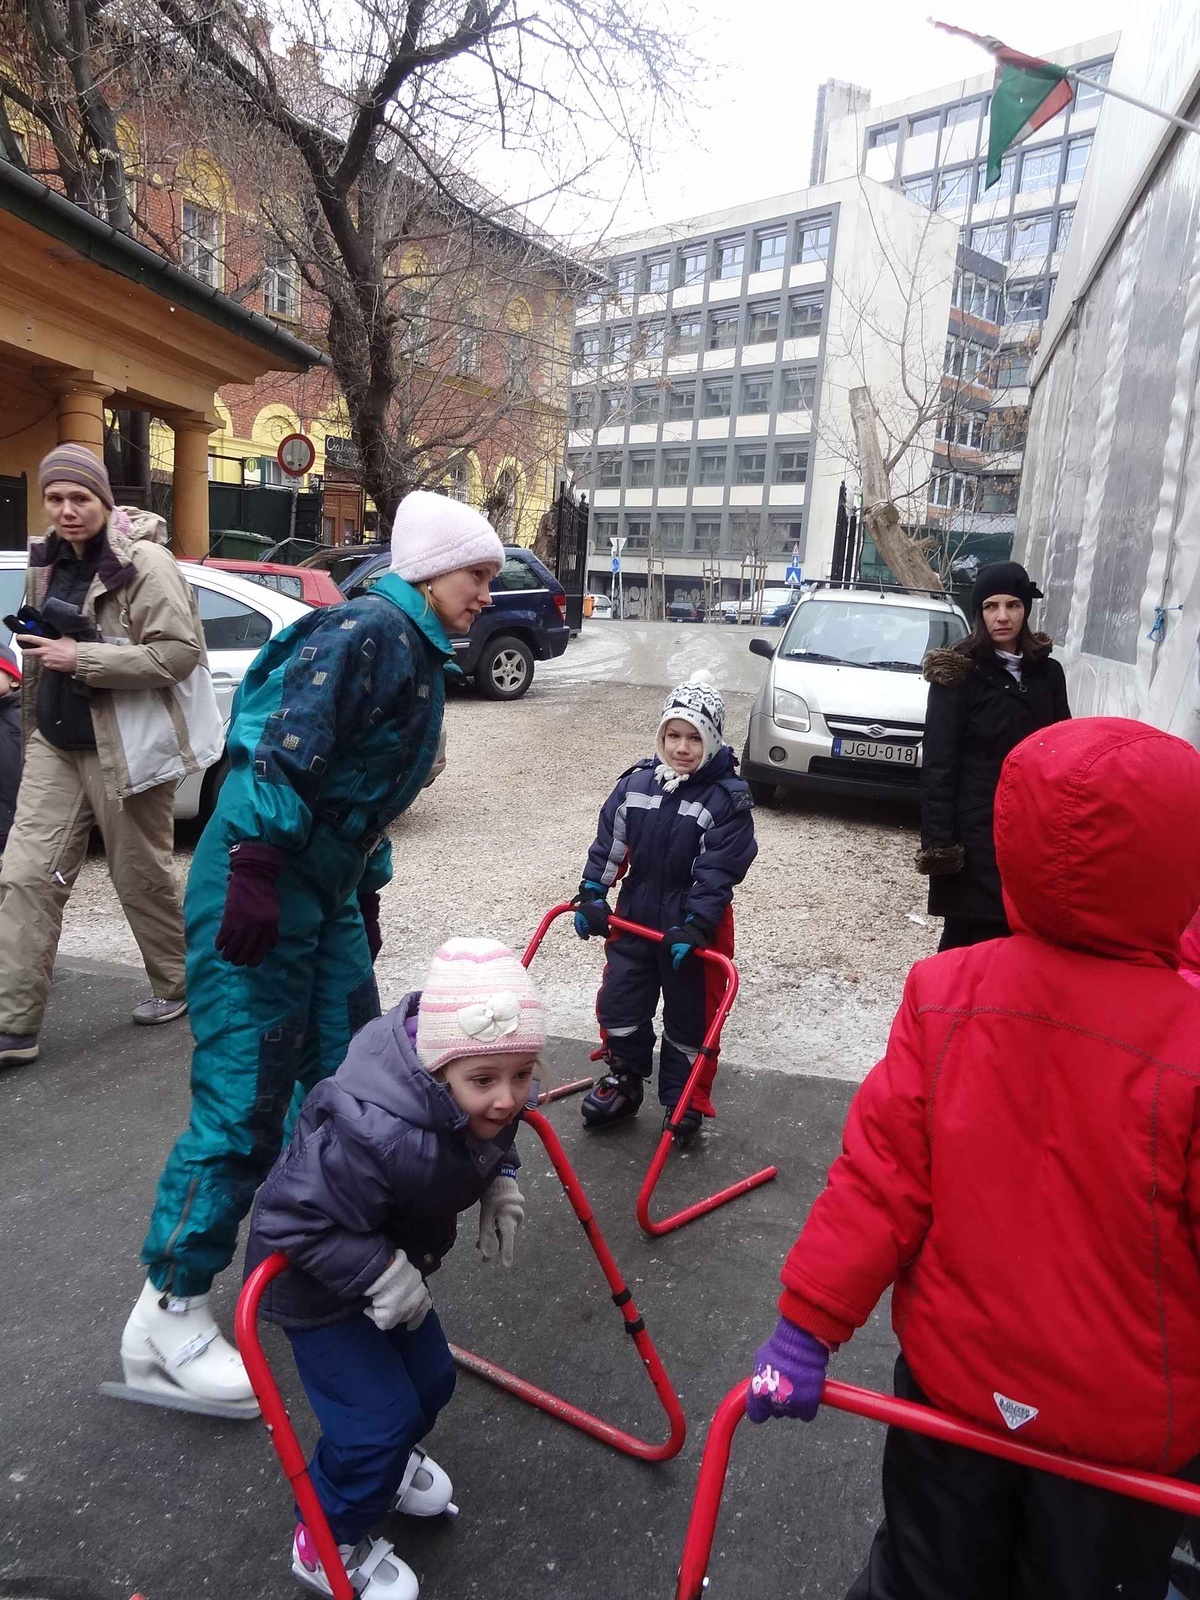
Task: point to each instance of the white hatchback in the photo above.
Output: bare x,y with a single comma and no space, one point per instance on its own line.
842,707
238,618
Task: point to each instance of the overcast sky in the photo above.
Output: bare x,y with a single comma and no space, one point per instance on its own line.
753,116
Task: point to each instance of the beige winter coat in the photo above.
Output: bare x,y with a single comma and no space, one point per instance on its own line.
153,711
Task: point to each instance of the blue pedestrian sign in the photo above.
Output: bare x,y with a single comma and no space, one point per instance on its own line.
795,575
616,563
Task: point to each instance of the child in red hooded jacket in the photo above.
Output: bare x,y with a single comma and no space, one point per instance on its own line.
1024,1166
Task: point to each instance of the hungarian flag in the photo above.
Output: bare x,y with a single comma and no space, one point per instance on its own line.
1028,92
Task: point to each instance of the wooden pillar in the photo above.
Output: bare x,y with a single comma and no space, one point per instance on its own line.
189,486
81,398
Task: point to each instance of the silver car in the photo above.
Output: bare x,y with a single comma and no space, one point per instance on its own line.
842,707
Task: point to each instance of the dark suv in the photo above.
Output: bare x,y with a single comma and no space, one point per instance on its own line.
526,621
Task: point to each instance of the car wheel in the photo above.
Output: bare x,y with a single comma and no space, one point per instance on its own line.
763,794
505,670
211,788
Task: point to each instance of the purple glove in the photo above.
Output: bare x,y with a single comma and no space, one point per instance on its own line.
250,925
789,1374
368,904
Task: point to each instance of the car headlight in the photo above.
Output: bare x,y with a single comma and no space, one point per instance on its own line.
790,711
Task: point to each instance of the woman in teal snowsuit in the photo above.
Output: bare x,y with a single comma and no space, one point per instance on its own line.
334,731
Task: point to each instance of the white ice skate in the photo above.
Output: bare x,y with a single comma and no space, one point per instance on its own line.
373,1567
425,1489
173,1355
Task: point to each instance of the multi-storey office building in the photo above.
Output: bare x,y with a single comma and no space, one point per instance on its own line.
709,407
933,148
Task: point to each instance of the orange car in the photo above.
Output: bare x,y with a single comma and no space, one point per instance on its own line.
310,584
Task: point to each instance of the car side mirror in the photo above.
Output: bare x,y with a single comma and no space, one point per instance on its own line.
762,647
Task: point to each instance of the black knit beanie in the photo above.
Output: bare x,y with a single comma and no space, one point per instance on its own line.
1004,577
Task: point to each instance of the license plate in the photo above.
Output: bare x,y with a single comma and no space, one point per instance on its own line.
901,755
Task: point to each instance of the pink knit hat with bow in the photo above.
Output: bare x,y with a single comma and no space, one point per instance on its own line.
478,1001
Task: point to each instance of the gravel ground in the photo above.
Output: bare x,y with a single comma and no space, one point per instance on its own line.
825,921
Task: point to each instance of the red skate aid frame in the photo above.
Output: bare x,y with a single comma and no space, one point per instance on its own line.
1172,1493
709,1047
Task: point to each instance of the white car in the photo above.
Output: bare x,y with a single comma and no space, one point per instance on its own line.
842,707
602,606
238,618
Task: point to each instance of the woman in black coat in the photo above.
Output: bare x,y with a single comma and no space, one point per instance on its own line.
986,694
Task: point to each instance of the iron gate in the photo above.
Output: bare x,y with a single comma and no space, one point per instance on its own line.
571,553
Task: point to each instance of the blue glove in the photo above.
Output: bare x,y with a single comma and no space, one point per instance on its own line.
789,1375
593,913
691,936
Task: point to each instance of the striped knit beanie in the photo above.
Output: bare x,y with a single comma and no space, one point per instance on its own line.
478,1000
75,463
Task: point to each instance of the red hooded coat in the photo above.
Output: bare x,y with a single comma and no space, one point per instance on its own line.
1024,1164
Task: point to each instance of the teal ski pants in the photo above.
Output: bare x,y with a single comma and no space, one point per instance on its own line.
262,1035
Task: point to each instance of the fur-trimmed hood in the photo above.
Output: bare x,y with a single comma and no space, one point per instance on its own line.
951,668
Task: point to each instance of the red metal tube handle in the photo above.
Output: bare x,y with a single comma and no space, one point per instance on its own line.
629,1444
710,1043
279,1425
1172,1493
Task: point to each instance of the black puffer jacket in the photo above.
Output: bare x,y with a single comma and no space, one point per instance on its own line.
977,713
381,1160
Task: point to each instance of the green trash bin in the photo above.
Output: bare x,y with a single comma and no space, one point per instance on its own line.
238,544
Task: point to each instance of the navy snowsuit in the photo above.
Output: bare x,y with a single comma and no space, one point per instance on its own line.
382,1159
681,853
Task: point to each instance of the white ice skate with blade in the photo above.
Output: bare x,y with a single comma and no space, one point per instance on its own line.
425,1489
173,1355
373,1567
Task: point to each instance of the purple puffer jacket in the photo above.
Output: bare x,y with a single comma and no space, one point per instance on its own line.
381,1160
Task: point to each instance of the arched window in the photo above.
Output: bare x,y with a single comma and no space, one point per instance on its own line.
506,504
458,481
470,340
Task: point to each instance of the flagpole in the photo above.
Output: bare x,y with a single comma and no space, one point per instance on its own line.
1142,105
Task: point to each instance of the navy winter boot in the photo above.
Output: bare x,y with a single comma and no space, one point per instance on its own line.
614,1097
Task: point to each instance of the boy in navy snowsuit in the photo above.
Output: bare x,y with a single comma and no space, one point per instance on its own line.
679,827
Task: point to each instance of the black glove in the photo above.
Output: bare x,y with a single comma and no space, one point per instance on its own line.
593,913
368,904
692,935
69,620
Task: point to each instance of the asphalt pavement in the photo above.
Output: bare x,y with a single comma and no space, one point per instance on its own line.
100,1498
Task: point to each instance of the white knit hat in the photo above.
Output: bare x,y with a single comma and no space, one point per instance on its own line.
478,1000
698,703
432,535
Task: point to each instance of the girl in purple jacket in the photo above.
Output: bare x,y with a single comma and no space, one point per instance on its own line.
416,1125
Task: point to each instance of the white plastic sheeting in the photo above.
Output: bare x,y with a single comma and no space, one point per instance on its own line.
1109,519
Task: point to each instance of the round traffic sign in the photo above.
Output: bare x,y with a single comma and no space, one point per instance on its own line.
616,564
296,454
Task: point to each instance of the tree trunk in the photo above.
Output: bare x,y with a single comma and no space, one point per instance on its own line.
902,553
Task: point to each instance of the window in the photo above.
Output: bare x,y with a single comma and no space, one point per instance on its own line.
583,410
805,315
919,127
670,533
1087,98
731,255
998,496
762,325
718,398
470,342
920,190
1039,169
641,471
682,405
514,575
756,397
620,345
685,334
517,361
799,389
637,534
201,242
645,406
587,349
625,277
1003,186
791,464
272,476
693,264
751,467
415,306
812,242
612,407
608,474
954,190
675,469
710,473
770,250
706,536
658,275
723,329
968,112
229,624
281,285
744,533
991,240
458,480
1031,237
1078,151
653,339
1013,369
1063,231
883,138
604,529
786,535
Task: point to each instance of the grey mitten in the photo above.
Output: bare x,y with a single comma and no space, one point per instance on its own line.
501,1213
398,1295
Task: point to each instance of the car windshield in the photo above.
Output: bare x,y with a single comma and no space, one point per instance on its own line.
849,633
